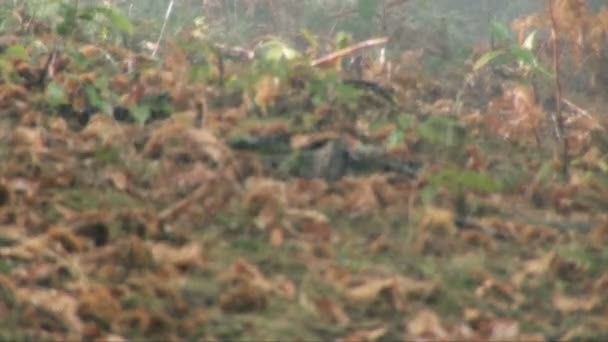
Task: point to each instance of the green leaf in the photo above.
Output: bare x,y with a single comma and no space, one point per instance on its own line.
500,31
346,93
459,179
55,94
343,39
276,50
140,113
115,17
487,58
16,51
310,39
95,99
395,138
6,68
524,56
442,131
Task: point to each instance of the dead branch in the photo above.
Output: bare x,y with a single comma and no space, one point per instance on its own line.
332,58
558,92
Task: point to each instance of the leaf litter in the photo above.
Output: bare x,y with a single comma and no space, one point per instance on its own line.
123,217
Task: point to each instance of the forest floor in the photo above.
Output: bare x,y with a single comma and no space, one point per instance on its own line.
138,202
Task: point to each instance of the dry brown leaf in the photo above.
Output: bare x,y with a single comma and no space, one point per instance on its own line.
360,197
277,237
64,306
249,273
369,335
119,179
244,298
33,138
598,236
103,127
333,311
438,221
90,51
535,267
100,303
567,304
504,330
370,289
267,89
265,199
426,324
183,258
497,291
300,141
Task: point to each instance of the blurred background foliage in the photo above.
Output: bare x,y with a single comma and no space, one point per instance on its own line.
436,25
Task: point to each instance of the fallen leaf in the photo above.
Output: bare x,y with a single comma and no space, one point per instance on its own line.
331,310
426,324
369,335
370,289
567,304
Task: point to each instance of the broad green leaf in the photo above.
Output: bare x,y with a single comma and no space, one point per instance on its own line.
460,179
500,31
6,68
276,50
310,39
524,56
95,99
140,113
406,121
116,18
346,93
343,39
55,94
487,58
441,130
16,51
395,138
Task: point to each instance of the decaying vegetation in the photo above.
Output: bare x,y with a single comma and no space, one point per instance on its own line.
303,170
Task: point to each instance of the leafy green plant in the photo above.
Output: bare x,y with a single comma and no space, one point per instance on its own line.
73,18
512,53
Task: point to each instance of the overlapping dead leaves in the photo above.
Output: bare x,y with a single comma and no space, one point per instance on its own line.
115,230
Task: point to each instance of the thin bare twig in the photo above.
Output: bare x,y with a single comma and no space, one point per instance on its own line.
333,57
559,117
162,30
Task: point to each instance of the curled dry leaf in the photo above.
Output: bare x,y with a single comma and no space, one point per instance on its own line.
182,258
264,196
534,267
504,330
359,197
119,179
426,324
244,298
103,128
32,138
99,303
306,192
300,141
500,292
369,335
369,290
248,273
567,304
62,305
331,310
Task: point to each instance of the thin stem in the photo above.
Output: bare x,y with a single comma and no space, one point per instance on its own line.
162,30
558,94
